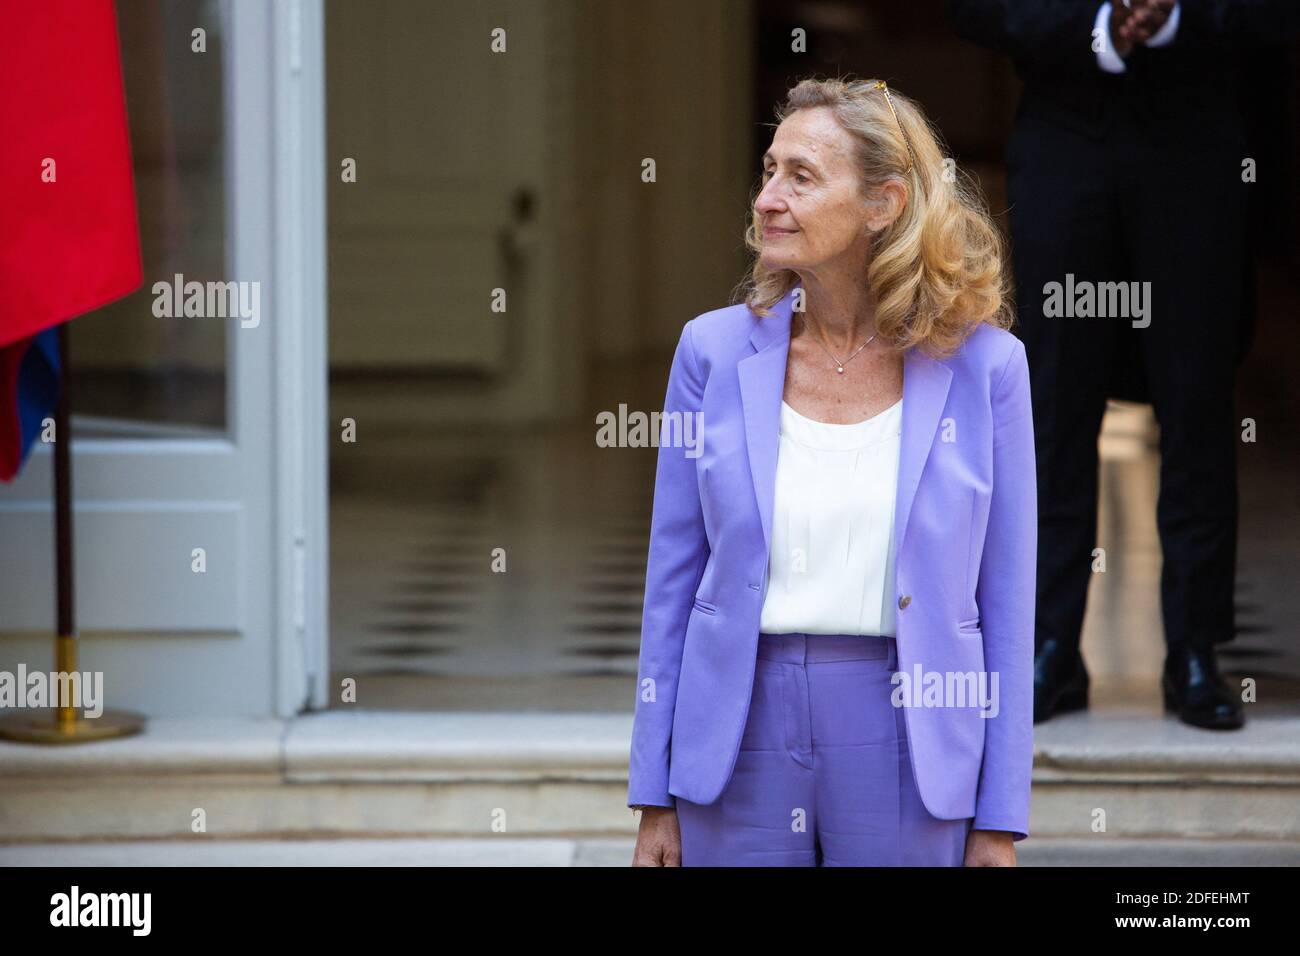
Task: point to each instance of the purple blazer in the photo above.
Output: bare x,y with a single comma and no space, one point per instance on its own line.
965,531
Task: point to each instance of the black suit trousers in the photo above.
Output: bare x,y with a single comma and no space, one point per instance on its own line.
1143,204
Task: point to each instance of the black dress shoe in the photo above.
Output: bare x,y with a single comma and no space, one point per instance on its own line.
1060,681
1194,689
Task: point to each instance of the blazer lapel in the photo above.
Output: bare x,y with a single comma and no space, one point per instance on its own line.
925,391
762,385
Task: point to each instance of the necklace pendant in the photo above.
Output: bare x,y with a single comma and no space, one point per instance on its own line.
840,369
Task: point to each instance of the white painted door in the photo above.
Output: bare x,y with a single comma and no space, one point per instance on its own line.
199,443
459,117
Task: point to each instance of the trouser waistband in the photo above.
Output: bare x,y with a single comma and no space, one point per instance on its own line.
822,648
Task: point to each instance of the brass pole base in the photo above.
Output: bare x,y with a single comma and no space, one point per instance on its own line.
53,725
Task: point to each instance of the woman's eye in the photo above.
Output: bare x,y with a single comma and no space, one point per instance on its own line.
801,178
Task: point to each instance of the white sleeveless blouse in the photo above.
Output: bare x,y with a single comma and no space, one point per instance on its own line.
831,569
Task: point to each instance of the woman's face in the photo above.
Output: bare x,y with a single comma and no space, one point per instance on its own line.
810,210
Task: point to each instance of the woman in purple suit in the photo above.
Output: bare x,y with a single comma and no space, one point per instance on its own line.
837,644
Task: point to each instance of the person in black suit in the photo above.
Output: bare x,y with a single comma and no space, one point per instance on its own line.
1128,164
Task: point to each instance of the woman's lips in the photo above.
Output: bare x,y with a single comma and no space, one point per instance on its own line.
772,232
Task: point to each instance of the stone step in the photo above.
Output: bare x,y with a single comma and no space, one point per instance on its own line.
1153,776
587,851
365,774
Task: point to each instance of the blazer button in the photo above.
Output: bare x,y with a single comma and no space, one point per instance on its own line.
904,601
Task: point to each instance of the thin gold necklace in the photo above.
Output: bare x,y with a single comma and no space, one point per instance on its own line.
839,366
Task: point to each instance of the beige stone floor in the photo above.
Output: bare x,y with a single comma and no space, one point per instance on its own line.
422,622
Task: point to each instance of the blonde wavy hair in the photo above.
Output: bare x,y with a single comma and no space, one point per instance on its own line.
937,271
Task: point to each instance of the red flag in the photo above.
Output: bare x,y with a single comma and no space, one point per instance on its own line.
69,239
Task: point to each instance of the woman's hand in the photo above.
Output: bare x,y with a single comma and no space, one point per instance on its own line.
658,840
988,848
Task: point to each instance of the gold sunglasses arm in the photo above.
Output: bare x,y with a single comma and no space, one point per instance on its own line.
911,156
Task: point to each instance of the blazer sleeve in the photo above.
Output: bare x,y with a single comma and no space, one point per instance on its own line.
678,551
1235,24
1057,32
1005,593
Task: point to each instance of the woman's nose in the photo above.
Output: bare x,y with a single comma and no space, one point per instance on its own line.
768,199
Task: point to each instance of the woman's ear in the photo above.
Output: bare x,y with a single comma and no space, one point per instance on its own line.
887,205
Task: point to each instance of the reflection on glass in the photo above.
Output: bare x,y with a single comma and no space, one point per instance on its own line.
132,372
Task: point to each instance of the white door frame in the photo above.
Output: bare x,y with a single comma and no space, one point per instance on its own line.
248,636
276,74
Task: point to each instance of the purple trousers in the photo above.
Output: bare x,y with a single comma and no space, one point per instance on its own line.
823,777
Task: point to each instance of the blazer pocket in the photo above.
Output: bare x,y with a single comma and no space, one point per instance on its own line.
705,606
970,628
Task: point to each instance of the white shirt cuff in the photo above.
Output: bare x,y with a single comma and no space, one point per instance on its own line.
1165,35
1107,58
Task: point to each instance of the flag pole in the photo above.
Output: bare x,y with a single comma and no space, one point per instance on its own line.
65,723
65,654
